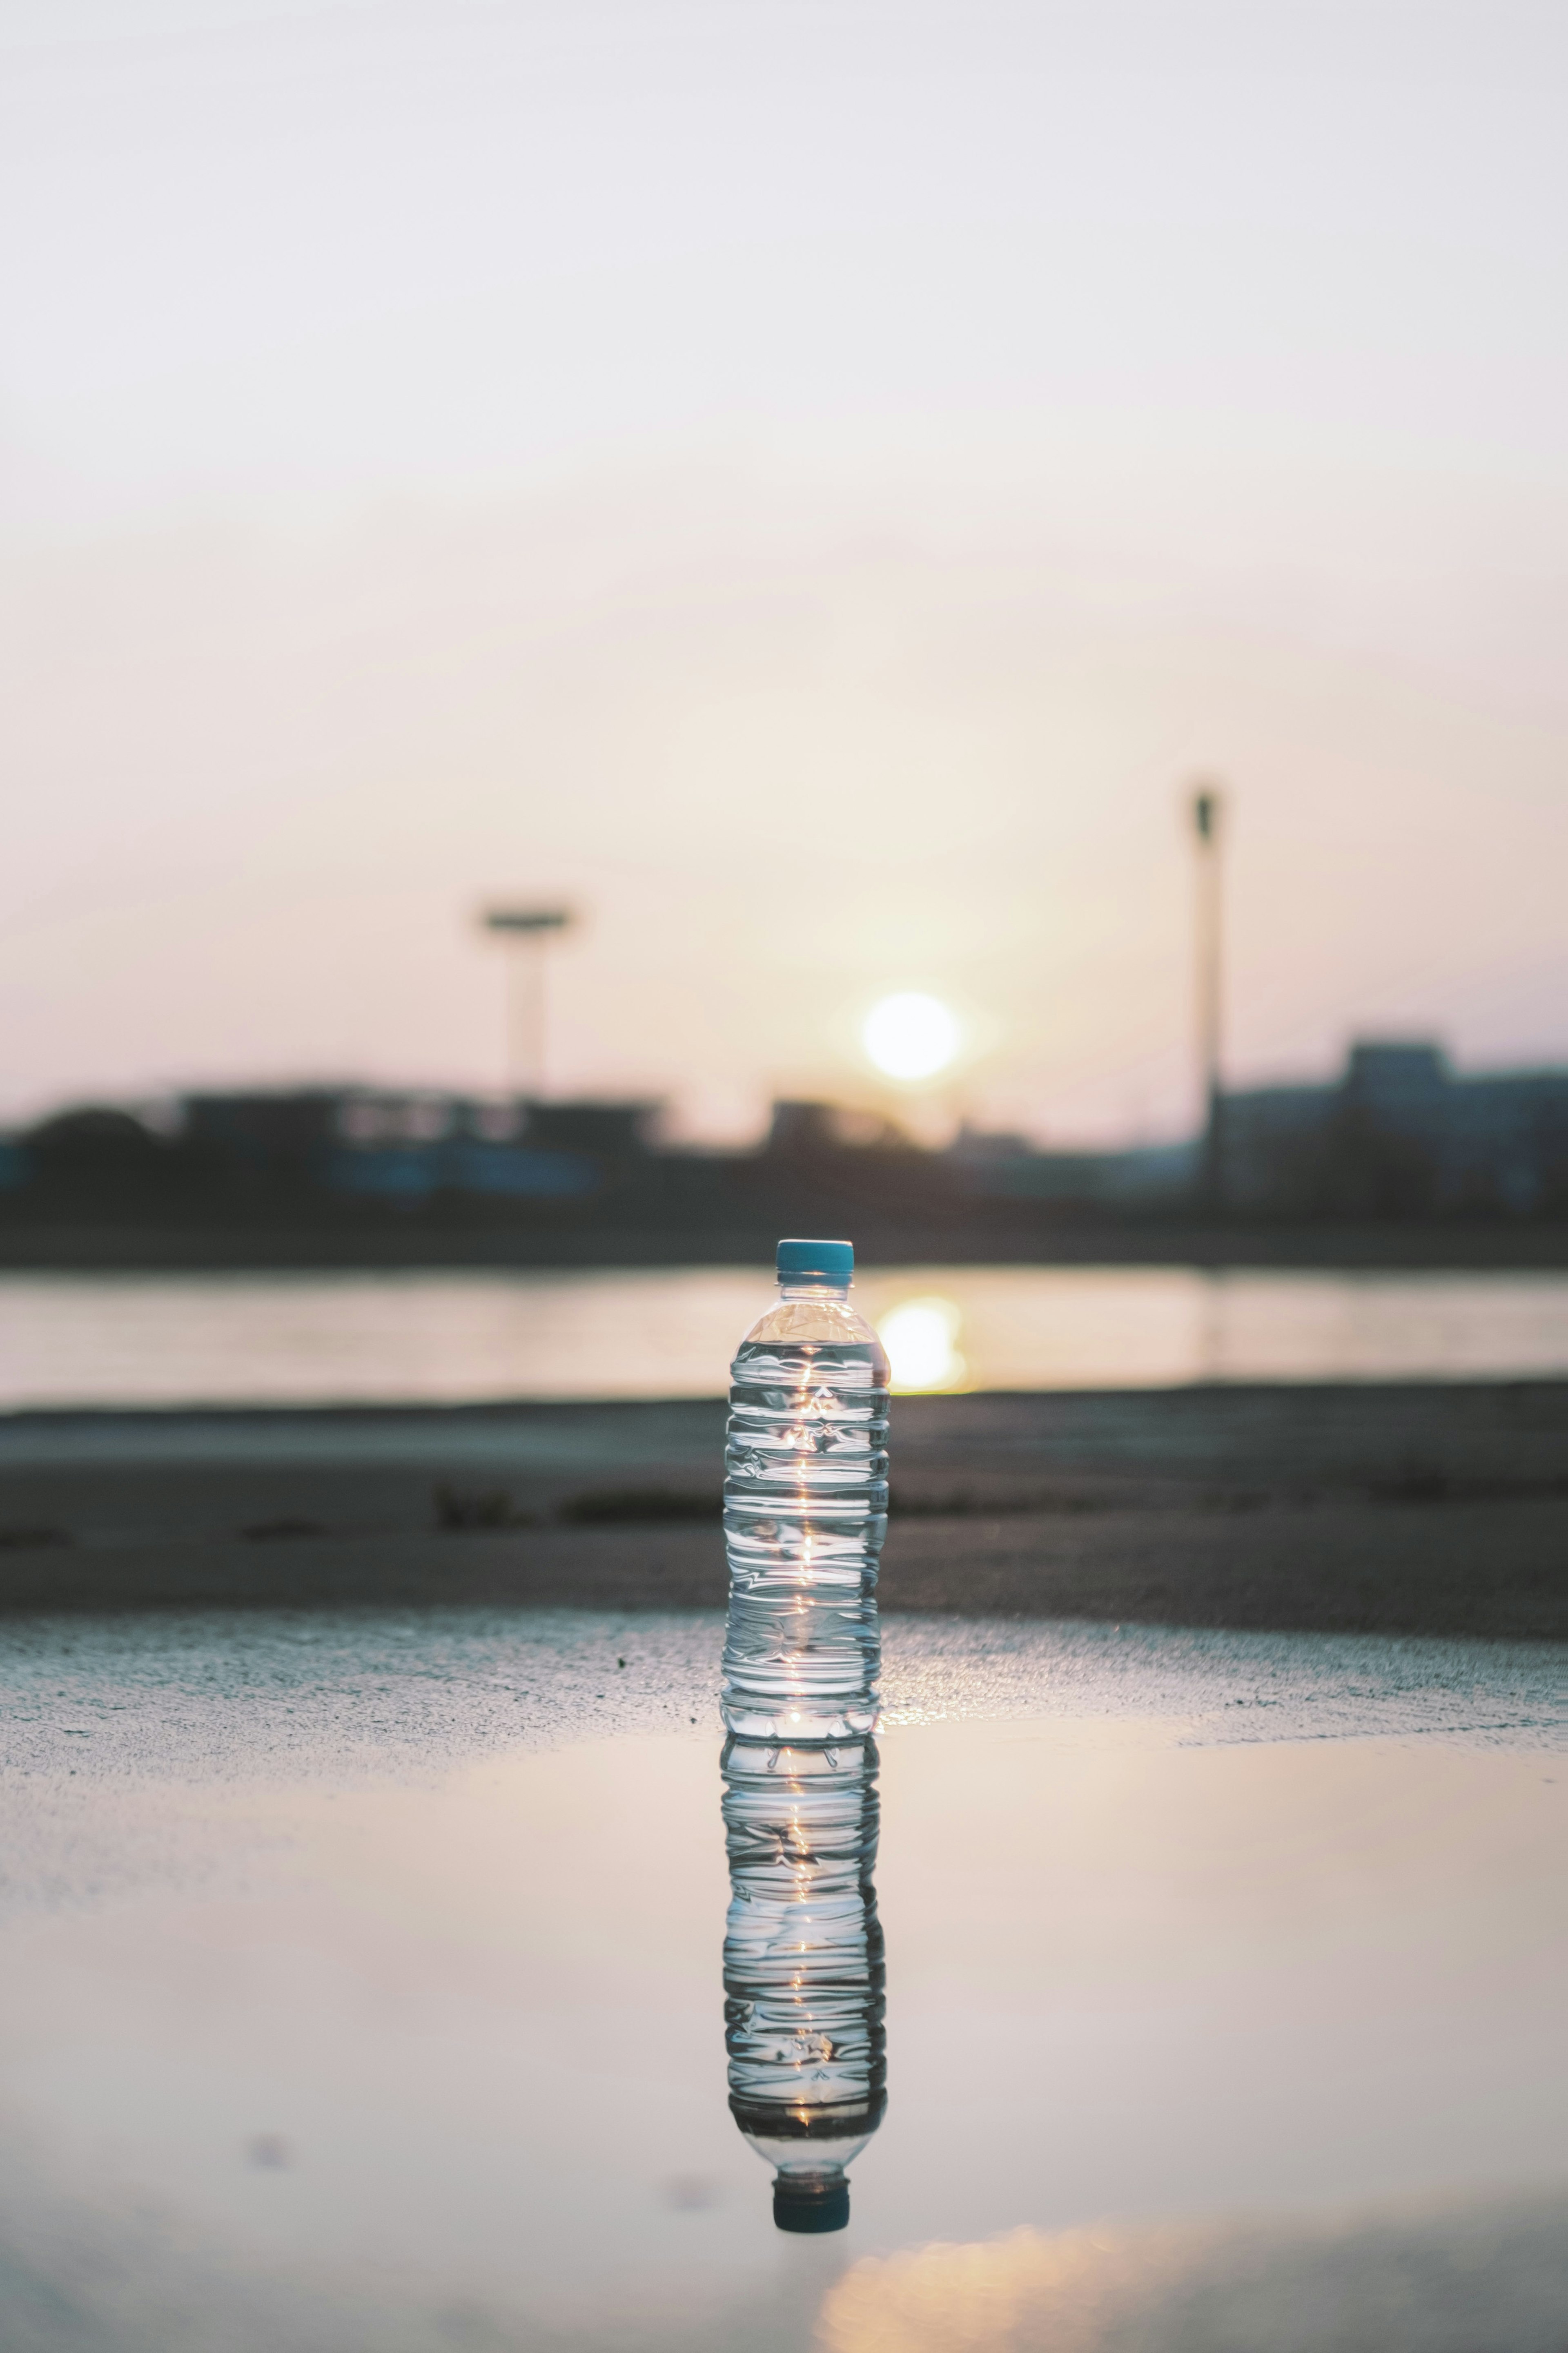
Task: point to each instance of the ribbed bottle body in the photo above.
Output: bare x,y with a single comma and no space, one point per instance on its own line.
805,1511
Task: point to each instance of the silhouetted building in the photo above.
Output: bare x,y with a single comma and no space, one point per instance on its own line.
410,1148
1400,1135
1003,1167
819,1131
614,1131
267,1128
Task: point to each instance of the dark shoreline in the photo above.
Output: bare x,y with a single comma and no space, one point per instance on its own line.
1409,1508
385,1247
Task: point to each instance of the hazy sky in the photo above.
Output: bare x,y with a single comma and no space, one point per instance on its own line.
806,482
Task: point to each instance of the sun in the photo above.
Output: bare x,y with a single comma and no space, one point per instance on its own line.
911,1036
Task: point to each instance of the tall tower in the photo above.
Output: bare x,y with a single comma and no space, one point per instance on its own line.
524,932
1209,810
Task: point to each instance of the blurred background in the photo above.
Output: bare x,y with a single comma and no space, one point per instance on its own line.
632,626
806,496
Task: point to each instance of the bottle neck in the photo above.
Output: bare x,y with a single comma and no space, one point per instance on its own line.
814,1291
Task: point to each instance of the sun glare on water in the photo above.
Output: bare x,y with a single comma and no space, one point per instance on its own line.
911,1036
918,1336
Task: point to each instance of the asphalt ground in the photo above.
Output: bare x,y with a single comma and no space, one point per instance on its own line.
1408,1508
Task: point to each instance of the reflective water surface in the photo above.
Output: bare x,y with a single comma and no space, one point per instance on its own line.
364,1988
311,1338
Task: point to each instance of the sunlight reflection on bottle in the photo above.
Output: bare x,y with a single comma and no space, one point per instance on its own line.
919,1336
803,1966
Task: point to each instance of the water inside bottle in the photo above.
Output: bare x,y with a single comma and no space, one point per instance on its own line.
805,1511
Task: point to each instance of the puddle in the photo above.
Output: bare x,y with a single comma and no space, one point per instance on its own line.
350,2001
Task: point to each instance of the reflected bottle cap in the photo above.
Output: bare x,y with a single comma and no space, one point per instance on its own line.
807,1262
812,2203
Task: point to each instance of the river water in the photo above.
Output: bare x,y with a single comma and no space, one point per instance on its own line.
307,1339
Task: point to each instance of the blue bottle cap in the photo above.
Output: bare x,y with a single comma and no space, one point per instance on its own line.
801,1262
810,2206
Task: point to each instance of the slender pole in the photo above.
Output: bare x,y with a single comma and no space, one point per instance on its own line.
1207,812
525,932
526,1015
541,1012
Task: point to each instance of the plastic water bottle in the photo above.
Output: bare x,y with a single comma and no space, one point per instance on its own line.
806,1509
803,1967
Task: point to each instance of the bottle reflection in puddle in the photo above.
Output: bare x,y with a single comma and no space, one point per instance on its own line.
804,1980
